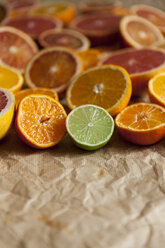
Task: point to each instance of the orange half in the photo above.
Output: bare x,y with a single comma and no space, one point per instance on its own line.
107,86
142,123
40,121
53,68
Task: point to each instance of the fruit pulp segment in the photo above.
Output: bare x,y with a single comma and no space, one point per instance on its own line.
142,117
63,40
8,78
159,87
53,69
99,23
15,51
32,25
3,101
141,33
90,125
137,61
42,119
103,88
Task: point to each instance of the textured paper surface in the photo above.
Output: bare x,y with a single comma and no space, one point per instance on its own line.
65,197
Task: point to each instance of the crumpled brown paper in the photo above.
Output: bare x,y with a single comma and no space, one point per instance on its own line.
64,197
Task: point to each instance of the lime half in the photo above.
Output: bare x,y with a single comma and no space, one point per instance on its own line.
90,126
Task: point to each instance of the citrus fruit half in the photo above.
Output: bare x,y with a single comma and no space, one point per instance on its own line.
138,32
142,123
40,121
156,89
38,91
7,102
10,78
152,14
34,25
141,64
101,29
90,126
65,11
65,37
53,68
16,48
106,86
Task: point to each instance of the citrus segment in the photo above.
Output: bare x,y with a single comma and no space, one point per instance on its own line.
65,11
106,86
141,64
142,123
66,37
40,121
34,25
101,29
90,57
152,14
53,68
156,88
90,127
138,32
43,91
16,48
6,111
10,79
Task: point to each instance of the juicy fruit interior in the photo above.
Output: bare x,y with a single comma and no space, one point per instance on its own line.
15,51
159,87
63,40
137,61
32,25
90,125
99,23
53,69
8,78
152,16
142,117
42,120
99,87
3,101
141,33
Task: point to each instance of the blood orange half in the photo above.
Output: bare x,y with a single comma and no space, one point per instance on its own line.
16,48
34,25
141,65
65,37
138,32
101,29
154,15
53,68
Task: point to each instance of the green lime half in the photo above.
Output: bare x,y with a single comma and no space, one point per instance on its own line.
90,126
